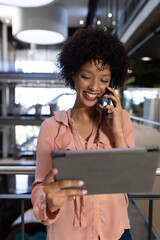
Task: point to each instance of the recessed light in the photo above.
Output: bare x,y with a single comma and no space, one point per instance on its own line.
130,71
81,22
7,21
98,22
146,58
113,22
110,15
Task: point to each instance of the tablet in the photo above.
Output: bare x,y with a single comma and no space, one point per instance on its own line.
117,170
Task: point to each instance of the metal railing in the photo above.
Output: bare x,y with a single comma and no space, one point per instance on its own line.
155,125
21,197
31,169
27,170
139,119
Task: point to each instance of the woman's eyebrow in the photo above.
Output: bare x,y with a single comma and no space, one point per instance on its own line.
107,75
85,70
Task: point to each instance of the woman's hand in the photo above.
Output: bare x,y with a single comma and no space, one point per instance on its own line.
59,192
114,118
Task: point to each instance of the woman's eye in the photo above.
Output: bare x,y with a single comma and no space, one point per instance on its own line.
85,77
104,81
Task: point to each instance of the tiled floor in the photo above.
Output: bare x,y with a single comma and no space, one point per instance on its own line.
139,229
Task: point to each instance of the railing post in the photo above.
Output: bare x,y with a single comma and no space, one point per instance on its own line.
22,219
150,215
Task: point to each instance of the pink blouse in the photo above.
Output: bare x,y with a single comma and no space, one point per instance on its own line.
86,217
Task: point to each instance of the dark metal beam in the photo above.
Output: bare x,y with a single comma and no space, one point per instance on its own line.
92,7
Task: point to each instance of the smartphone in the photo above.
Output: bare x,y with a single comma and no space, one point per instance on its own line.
106,101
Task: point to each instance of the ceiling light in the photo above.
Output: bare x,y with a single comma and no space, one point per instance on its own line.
113,22
81,22
7,21
130,71
45,25
26,3
146,58
110,15
99,22
40,36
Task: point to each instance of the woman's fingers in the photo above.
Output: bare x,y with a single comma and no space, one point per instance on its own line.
68,183
60,184
115,99
112,90
74,192
109,107
64,187
59,192
57,198
50,176
113,96
63,184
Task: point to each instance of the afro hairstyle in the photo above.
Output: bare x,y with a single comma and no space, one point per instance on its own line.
94,44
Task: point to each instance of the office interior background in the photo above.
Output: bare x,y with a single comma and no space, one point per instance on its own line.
30,89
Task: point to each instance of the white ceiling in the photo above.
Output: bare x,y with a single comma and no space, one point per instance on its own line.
77,10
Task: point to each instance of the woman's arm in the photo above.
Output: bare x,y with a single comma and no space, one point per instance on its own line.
118,120
43,165
49,196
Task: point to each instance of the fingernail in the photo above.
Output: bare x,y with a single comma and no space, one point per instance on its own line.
80,182
84,192
54,170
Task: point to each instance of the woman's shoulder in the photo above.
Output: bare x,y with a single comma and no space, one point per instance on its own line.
59,117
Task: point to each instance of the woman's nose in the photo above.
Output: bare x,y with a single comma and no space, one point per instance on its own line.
94,85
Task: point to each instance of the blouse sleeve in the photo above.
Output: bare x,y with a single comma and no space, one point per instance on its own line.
128,128
45,145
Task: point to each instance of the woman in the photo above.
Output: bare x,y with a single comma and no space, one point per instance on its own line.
89,61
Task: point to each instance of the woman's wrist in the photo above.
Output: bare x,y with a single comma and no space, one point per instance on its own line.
119,140
50,214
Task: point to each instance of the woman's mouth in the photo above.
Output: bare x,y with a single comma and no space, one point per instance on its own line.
90,96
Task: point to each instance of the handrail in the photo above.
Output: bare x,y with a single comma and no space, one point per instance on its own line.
158,172
145,120
29,170
24,197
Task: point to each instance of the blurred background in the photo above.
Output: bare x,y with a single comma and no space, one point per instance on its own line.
32,34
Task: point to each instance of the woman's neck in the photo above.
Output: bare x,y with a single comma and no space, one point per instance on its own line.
83,114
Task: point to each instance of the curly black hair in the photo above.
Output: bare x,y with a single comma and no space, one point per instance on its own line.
94,44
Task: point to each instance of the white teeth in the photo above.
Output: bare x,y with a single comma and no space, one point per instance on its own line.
91,95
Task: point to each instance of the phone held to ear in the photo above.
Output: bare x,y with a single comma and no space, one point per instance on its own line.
106,101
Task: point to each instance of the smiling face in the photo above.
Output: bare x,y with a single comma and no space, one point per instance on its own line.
91,82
